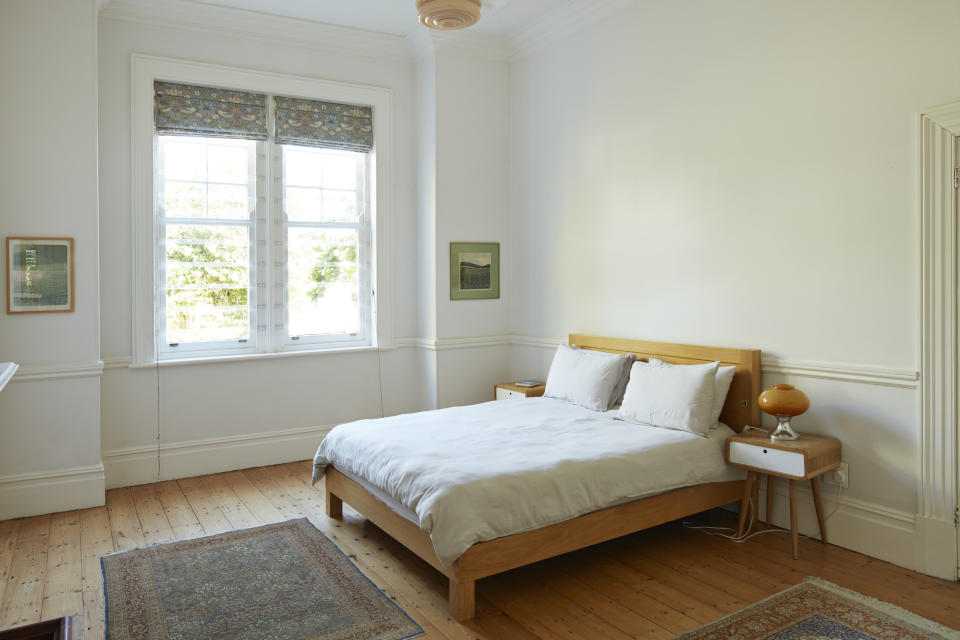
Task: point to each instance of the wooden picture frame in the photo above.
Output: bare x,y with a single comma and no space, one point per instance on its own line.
474,270
39,275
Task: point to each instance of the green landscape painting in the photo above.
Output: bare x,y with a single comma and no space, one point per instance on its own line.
39,274
474,270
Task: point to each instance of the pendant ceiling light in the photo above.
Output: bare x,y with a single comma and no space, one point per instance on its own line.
448,14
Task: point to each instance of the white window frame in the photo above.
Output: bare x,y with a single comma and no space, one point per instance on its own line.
144,71
253,344
281,336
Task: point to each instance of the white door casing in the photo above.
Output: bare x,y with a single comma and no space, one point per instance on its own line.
939,485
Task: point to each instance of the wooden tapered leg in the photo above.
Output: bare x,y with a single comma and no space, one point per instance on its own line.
769,513
793,519
818,505
755,496
333,505
462,599
745,502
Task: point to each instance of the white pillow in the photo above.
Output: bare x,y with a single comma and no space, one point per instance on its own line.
590,379
670,397
721,387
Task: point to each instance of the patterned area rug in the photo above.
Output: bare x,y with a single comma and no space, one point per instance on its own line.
281,581
819,610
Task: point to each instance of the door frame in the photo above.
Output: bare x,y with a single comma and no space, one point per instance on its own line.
939,485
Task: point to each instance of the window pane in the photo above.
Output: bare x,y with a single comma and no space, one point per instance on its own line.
228,201
206,177
228,162
340,169
340,206
321,185
207,283
303,204
183,159
184,199
323,281
302,166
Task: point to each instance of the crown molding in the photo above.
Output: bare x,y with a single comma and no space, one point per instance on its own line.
559,22
475,44
255,25
562,22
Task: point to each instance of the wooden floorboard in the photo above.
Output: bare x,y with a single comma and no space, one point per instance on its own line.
654,584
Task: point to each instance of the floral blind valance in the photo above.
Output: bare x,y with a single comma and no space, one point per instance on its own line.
207,111
324,124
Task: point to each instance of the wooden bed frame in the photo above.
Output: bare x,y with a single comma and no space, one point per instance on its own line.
509,552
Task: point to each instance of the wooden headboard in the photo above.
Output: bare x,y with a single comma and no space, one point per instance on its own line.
741,407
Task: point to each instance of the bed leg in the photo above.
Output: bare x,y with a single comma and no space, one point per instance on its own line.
462,599
333,505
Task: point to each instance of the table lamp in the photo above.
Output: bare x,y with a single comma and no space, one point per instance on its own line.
784,401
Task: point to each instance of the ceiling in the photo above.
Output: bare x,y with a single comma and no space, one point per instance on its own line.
397,17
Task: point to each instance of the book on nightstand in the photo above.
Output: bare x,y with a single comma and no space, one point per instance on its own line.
528,383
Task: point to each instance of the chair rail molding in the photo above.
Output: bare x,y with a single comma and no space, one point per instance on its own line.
841,372
937,499
32,373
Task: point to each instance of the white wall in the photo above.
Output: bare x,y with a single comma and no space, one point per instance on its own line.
472,123
465,135
48,181
742,174
211,416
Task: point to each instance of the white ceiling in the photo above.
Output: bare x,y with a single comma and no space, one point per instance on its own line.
398,17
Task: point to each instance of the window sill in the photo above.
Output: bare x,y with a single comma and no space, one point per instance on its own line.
243,357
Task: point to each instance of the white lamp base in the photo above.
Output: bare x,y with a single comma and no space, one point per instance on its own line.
783,431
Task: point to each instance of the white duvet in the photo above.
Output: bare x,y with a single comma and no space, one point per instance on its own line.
484,471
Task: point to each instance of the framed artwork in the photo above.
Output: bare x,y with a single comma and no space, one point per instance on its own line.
39,275
474,270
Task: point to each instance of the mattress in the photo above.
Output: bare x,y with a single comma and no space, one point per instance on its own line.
475,473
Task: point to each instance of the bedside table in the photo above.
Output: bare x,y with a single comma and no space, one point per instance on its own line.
508,391
802,459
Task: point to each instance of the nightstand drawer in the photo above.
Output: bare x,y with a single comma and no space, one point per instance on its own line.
508,394
789,463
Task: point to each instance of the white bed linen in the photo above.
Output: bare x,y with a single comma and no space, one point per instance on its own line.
484,471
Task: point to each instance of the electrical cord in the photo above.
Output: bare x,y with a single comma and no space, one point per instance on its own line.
752,509
732,533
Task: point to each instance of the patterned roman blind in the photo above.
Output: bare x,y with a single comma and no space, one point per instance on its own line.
324,124
206,111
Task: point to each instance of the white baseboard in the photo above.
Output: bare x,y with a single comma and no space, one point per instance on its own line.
936,547
141,465
858,525
31,494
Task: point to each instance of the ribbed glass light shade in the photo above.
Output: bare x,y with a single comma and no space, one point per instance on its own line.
447,15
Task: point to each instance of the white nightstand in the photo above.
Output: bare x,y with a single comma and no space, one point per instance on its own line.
802,459
509,391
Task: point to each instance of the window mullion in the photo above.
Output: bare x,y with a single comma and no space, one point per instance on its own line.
160,256
259,236
365,252
278,249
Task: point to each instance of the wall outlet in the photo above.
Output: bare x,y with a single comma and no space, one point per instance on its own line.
839,477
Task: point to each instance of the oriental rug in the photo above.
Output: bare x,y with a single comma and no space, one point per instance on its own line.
819,610
281,581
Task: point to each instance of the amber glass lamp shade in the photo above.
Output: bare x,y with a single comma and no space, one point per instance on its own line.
784,401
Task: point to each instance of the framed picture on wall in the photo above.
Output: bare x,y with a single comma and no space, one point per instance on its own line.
474,270
39,275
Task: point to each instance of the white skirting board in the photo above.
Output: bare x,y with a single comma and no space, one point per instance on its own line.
30,494
892,535
142,465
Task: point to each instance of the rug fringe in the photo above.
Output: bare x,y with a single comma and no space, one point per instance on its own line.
886,607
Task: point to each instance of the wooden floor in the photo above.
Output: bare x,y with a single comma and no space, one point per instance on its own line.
653,584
